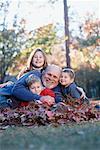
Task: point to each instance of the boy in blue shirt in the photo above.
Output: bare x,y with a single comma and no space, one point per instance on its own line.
68,86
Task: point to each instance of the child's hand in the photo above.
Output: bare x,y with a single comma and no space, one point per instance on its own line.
48,100
6,83
39,102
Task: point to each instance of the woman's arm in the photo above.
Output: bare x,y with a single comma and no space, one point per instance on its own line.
6,83
21,73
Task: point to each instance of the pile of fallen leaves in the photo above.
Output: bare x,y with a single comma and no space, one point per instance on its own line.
61,113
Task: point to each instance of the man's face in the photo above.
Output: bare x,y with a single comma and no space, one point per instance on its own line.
50,78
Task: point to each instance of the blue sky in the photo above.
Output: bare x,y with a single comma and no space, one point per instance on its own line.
40,12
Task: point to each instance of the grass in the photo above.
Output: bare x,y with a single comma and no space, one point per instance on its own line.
66,137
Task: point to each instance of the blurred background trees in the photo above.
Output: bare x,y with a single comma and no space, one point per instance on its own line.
17,43
11,40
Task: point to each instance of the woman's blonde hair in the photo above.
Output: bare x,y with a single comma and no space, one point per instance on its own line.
29,62
30,66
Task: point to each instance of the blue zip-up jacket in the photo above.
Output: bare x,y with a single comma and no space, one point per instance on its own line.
58,93
71,90
6,90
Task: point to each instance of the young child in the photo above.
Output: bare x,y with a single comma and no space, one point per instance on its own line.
68,86
35,86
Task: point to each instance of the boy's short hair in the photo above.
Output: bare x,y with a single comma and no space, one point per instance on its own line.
69,71
32,79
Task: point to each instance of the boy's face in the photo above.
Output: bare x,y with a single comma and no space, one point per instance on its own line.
65,79
36,88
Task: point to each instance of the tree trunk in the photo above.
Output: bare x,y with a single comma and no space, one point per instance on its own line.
66,21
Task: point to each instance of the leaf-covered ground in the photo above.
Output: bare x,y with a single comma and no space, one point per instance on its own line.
61,113
37,114
85,136
72,125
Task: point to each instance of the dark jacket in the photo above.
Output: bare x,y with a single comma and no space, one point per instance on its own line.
70,90
21,91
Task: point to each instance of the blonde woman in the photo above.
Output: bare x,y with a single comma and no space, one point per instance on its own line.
36,61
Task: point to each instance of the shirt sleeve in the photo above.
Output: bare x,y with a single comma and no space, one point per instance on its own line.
58,94
74,92
21,92
46,92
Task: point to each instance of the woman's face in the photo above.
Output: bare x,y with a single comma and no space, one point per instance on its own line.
38,59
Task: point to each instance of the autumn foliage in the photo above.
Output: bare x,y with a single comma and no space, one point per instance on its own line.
61,113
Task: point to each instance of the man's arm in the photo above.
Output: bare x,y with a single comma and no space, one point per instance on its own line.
83,95
74,93
23,94
20,90
58,93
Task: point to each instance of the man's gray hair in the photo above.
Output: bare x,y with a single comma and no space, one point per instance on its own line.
56,67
